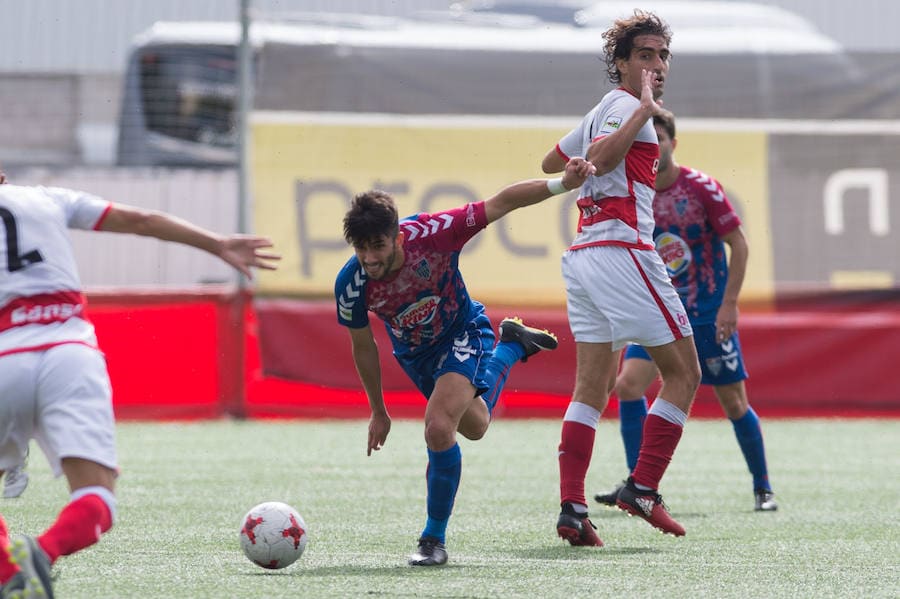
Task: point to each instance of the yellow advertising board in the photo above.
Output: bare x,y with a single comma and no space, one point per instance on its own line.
306,169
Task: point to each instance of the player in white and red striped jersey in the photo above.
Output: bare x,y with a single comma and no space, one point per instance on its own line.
54,386
617,287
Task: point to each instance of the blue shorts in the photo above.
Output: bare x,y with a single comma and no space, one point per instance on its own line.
467,353
720,363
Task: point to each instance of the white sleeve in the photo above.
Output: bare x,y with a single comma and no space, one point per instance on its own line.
572,143
612,114
83,210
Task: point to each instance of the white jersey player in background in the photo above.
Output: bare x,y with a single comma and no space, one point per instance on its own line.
617,287
54,385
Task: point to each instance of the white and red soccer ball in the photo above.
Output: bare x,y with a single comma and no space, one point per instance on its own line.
273,535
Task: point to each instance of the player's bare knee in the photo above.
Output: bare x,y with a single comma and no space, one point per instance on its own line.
689,377
628,389
440,434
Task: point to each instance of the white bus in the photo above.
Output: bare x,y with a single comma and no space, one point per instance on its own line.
181,80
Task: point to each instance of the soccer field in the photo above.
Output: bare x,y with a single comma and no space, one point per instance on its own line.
185,487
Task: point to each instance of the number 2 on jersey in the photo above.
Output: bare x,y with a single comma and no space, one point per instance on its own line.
15,261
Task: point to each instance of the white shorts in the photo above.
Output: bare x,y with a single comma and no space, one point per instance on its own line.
62,398
619,295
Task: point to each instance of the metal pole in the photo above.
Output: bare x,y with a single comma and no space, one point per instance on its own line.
245,104
233,365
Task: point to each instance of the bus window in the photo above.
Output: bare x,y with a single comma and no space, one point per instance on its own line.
189,93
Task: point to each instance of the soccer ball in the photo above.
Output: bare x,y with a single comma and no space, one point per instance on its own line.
273,535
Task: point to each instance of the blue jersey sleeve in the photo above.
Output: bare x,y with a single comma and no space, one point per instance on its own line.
350,295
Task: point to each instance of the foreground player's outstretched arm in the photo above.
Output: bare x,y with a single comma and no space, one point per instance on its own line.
240,251
526,193
365,357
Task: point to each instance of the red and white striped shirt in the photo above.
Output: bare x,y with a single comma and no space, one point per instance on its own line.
615,208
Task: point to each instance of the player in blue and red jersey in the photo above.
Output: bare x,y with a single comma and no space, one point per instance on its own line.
407,274
694,223
617,288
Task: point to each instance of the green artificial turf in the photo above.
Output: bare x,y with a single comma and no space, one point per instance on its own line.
185,487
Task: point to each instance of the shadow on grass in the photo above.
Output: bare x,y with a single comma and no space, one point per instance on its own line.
567,552
358,570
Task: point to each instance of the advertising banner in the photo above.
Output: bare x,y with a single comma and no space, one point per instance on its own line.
308,168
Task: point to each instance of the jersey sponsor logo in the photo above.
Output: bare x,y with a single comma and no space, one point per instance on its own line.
43,314
674,252
42,309
470,214
421,312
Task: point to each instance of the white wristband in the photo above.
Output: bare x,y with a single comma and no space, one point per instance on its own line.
556,186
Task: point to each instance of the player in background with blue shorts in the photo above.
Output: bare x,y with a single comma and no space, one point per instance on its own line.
407,274
694,223
54,385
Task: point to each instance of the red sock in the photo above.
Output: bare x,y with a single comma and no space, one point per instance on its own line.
78,525
660,440
575,451
7,569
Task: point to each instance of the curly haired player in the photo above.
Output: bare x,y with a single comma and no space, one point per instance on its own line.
617,287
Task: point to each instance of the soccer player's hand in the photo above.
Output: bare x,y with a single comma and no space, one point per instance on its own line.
726,321
648,82
245,251
379,427
577,170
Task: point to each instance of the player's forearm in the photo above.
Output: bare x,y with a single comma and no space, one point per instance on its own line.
737,271
160,225
606,153
526,193
739,253
517,195
369,370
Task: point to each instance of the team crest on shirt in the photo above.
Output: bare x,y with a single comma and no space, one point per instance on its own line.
674,252
422,270
681,206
